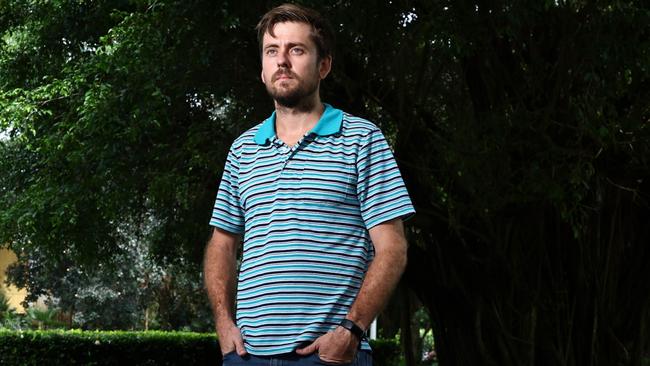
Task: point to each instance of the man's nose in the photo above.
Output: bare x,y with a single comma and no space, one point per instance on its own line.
283,59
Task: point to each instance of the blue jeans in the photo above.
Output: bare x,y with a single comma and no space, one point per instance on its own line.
363,358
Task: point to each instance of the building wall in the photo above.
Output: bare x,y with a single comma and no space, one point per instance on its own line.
15,296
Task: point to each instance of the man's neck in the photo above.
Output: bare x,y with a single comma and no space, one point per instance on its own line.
293,123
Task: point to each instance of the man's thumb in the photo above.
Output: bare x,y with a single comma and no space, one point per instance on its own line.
307,350
239,346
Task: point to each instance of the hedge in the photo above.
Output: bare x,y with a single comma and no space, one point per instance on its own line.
76,347
107,348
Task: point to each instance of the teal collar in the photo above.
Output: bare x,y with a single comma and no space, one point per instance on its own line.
328,124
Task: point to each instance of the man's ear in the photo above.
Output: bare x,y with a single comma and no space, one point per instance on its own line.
325,66
262,74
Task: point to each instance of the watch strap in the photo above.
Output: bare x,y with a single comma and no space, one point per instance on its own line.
353,328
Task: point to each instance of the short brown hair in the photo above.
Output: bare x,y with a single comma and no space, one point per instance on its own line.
321,33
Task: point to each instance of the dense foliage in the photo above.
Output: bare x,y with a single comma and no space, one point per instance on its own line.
521,130
108,348
130,348
103,151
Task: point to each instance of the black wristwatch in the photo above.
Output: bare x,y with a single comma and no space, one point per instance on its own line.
353,328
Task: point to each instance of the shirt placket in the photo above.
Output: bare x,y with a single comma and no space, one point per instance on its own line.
290,175
286,153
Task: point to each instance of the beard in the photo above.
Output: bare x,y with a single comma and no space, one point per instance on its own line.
297,96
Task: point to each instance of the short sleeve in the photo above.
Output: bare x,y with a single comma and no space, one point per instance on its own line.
380,188
228,213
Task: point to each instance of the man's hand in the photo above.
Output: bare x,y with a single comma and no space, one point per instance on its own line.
337,346
230,339
219,268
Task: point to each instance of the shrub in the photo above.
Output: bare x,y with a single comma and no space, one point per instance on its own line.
107,348
76,347
4,302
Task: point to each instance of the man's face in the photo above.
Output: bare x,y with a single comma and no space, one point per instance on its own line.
291,70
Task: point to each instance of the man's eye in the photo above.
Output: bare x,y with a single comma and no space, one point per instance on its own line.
271,52
297,51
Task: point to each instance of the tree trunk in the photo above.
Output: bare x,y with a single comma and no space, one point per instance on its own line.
540,296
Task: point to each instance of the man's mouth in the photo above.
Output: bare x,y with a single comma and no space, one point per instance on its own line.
282,76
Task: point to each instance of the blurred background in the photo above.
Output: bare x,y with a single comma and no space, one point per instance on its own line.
521,129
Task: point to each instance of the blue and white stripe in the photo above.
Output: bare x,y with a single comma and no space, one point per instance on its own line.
305,212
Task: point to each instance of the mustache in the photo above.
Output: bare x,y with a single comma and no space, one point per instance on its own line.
280,73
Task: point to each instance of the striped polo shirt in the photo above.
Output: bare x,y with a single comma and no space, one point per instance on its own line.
304,212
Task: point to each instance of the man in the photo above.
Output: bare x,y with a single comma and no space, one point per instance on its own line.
319,200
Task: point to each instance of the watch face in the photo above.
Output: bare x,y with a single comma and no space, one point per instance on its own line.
352,327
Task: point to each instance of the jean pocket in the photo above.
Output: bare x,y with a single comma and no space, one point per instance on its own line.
231,359
319,361
229,354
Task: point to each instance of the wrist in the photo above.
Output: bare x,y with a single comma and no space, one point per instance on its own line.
224,324
353,328
359,319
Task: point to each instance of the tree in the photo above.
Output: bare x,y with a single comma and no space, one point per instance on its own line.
131,291
523,136
113,127
521,130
